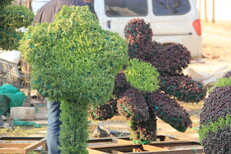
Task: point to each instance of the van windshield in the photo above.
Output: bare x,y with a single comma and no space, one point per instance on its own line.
126,8
170,7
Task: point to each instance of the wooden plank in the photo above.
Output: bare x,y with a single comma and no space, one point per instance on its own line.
153,148
35,145
137,150
116,152
123,141
14,145
174,143
92,151
125,147
21,138
188,151
12,150
100,140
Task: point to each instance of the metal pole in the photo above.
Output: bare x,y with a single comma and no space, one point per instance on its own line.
205,10
213,18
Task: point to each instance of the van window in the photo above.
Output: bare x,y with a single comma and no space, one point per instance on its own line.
170,7
126,8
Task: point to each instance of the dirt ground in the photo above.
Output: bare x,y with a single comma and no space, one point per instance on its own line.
216,38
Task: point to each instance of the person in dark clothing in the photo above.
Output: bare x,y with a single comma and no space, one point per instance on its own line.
50,9
47,14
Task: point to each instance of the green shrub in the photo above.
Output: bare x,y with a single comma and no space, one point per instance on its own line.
13,18
214,126
142,75
74,61
3,3
74,56
222,82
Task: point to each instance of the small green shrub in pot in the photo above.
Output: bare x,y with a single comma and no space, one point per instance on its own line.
74,61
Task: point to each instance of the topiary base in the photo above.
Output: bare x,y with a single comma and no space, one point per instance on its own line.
73,135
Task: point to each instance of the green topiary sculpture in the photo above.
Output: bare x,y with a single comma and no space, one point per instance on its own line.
11,19
74,61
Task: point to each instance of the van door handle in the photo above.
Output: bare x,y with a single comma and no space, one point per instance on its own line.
109,24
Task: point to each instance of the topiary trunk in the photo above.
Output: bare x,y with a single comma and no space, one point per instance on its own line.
73,135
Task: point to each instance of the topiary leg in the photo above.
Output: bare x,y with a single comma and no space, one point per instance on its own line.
144,132
73,135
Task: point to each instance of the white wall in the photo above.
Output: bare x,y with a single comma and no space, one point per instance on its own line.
222,9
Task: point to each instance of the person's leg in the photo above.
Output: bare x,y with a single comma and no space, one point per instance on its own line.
53,127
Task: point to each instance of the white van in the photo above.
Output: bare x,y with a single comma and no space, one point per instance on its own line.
172,21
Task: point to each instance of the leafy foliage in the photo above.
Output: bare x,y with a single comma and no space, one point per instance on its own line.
169,111
135,86
73,130
121,84
3,3
222,82
137,31
139,39
221,123
217,105
182,87
218,142
74,61
172,59
80,57
142,75
104,112
144,132
13,18
227,75
215,121
133,106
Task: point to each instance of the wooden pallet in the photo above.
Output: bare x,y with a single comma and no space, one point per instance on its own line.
163,145
122,145
21,144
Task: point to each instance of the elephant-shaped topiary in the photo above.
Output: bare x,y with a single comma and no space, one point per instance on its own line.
74,61
215,118
143,89
11,19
